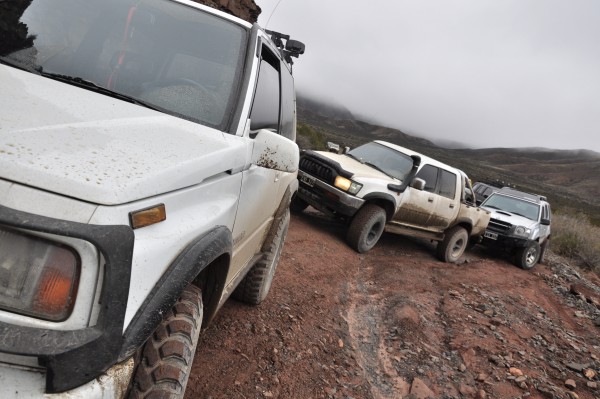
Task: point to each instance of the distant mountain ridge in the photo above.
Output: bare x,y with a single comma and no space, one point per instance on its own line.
570,178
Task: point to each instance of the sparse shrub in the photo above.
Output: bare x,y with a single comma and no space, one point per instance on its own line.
574,237
316,138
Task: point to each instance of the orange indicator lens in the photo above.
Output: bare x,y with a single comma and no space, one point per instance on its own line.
148,216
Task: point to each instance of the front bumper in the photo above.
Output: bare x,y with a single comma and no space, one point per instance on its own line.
24,382
503,241
73,358
327,198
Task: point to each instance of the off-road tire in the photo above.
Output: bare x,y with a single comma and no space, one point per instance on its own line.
298,205
165,360
366,228
543,249
452,247
528,256
255,286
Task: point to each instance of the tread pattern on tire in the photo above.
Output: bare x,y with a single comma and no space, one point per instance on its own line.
543,249
444,246
166,357
520,256
356,230
255,286
298,205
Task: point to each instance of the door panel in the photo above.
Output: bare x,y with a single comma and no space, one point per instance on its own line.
447,201
255,210
416,207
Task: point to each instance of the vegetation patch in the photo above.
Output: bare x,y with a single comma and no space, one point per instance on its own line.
317,139
575,237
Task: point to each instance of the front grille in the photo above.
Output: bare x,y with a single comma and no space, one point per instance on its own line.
317,169
499,226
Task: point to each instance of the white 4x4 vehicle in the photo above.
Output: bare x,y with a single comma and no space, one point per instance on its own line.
520,224
147,161
382,186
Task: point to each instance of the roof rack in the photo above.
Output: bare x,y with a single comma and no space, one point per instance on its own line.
292,48
525,194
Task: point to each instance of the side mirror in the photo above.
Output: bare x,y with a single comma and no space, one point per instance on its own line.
295,47
545,222
274,151
418,184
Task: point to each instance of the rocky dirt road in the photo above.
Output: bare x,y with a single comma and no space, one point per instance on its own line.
396,323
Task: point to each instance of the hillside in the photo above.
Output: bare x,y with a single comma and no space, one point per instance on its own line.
570,179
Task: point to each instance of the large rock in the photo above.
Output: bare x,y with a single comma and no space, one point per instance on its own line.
244,9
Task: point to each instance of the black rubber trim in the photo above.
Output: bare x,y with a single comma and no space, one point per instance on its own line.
326,161
197,255
246,75
400,188
75,357
382,196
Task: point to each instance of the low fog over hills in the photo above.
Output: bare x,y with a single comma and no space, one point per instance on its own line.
570,178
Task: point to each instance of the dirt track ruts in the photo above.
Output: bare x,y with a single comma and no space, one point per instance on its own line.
338,324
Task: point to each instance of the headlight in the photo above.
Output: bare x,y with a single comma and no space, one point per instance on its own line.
522,231
347,185
38,277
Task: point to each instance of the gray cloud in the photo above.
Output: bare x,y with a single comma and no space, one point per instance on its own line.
488,73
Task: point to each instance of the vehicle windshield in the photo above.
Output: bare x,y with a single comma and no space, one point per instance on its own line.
170,56
513,205
383,158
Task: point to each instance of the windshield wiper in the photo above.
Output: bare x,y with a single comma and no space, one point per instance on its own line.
491,206
353,157
527,217
86,84
378,168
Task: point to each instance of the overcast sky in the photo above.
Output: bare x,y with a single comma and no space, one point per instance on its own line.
487,73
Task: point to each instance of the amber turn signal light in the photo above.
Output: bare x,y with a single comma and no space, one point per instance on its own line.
148,216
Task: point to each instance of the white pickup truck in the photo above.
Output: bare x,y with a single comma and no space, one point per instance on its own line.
381,186
147,162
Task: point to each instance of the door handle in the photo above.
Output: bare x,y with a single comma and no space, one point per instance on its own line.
430,199
452,206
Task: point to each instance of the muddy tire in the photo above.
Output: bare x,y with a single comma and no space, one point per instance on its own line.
543,249
255,286
451,248
165,360
298,205
366,228
527,257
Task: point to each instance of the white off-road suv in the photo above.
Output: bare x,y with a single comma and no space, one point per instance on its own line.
382,186
520,225
147,162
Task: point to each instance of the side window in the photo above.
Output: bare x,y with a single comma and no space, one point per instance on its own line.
265,107
447,184
429,174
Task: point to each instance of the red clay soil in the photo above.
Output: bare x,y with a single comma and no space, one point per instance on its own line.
397,323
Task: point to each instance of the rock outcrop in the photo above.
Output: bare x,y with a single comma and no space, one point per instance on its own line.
244,9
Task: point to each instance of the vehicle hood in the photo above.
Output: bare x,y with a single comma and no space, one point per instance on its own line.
85,145
511,218
358,169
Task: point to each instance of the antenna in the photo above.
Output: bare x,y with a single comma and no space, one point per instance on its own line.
272,12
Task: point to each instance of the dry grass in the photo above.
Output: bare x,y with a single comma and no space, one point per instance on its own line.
574,237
